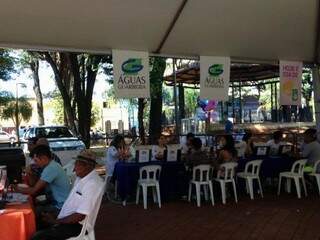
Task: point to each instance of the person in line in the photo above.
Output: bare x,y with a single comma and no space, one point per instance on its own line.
53,180
228,127
81,202
310,149
275,143
197,155
158,151
187,146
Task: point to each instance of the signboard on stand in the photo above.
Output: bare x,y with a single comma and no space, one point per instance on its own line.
290,82
214,77
131,74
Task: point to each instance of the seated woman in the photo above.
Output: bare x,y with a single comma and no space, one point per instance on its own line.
187,146
246,145
228,152
116,151
197,156
158,151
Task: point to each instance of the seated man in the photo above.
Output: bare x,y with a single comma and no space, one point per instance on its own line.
52,179
197,156
33,171
79,204
310,149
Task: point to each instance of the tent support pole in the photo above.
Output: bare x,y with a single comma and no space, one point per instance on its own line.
175,98
316,92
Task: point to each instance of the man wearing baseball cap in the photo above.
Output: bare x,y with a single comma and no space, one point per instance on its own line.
81,201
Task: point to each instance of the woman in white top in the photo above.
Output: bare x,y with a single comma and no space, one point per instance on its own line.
116,151
159,150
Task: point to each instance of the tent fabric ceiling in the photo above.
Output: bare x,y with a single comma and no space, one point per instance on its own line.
270,30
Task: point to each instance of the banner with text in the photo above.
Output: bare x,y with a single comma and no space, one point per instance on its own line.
214,77
290,82
131,74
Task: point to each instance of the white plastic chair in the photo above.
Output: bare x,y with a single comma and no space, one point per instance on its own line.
87,231
203,172
226,175
251,172
296,174
315,174
149,176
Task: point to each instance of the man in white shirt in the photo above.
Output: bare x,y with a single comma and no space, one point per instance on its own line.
310,149
81,202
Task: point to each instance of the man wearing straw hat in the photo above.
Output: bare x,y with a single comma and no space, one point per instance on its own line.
80,203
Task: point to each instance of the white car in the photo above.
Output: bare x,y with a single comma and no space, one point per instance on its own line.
6,137
61,141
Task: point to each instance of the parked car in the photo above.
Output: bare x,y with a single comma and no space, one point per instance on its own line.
61,141
6,137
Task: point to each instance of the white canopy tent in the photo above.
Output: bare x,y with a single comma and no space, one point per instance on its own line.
246,30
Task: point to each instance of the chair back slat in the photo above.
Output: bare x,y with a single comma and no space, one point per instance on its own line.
150,173
316,166
298,166
228,169
253,167
202,173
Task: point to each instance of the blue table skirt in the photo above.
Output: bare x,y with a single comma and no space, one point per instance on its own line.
271,165
173,178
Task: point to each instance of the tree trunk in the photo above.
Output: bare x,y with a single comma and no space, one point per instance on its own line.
141,105
156,77
62,77
84,73
34,66
181,102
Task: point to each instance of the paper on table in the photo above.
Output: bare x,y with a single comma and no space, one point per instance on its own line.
17,197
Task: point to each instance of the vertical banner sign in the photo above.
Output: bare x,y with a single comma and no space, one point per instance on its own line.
131,74
214,77
290,83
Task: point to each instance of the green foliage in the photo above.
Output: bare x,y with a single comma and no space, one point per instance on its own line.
24,110
5,97
95,114
56,104
158,66
7,64
190,96
167,95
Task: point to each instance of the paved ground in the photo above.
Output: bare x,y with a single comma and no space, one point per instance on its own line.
273,217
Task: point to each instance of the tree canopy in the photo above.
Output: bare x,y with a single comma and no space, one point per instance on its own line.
7,64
